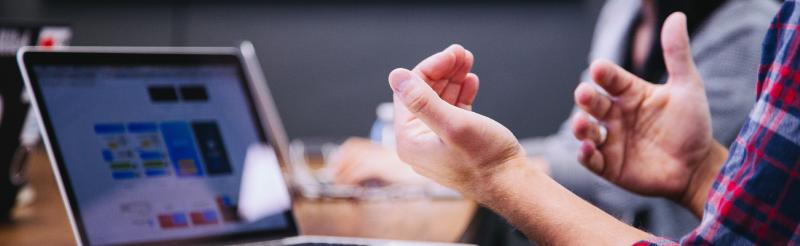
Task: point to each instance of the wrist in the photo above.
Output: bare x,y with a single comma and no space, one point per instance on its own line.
498,184
707,169
541,163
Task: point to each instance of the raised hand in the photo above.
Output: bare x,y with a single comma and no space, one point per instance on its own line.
658,136
448,73
436,131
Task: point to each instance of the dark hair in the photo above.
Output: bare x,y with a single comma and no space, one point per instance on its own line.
697,12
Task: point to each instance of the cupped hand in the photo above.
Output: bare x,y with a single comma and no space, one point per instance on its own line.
448,74
658,136
436,131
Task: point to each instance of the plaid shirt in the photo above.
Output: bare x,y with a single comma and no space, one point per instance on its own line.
756,197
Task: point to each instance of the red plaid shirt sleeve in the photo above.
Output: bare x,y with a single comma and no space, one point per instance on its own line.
755,200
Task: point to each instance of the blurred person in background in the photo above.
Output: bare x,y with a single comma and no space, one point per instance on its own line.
725,40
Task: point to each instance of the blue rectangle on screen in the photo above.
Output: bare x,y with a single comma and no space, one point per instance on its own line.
210,215
139,127
150,155
179,218
124,175
182,149
155,172
109,128
107,155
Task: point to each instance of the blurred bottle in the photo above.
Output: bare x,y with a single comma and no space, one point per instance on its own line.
383,129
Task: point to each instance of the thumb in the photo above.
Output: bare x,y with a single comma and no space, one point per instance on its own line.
420,100
677,52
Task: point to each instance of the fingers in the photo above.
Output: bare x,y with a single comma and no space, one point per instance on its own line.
468,91
585,128
454,63
354,175
588,99
416,98
591,157
344,160
438,66
454,92
677,52
451,92
344,175
464,61
350,161
446,71
615,80
587,131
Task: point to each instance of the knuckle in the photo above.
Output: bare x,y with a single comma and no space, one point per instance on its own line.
417,101
457,129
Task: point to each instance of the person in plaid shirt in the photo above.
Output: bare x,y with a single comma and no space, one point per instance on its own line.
755,199
650,139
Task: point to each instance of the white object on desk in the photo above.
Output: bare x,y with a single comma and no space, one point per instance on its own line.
263,192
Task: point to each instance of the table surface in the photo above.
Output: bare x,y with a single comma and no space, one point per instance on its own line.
44,221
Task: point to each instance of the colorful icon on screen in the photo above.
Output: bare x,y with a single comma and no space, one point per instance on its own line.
207,217
150,148
117,151
173,220
181,147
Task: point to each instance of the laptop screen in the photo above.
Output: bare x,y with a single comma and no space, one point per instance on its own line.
152,152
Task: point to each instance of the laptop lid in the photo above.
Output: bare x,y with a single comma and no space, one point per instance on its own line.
148,144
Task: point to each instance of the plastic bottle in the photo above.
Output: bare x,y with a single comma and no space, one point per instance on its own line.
383,129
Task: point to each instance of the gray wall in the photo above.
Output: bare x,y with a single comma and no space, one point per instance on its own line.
327,63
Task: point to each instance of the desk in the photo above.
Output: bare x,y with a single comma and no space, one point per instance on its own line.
44,222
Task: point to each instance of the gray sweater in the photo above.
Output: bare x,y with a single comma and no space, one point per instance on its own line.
726,49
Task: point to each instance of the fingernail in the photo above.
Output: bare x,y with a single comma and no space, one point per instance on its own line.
399,79
402,85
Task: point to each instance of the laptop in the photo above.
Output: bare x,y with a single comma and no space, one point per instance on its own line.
148,145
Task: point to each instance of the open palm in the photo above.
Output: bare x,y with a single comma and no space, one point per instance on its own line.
656,133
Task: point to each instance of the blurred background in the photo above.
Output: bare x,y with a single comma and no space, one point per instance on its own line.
327,61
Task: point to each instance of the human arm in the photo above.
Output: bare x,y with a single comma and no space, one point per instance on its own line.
358,161
550,214
485,162
482,159
444,140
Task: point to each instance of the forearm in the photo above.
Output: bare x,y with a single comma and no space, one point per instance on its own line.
557,154
547,212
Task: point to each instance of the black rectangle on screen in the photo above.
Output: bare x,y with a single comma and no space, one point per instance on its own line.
162,93
193,93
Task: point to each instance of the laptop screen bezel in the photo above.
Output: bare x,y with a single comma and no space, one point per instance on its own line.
30,57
